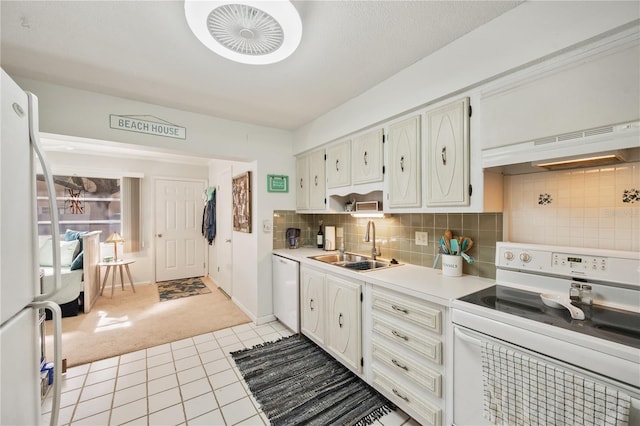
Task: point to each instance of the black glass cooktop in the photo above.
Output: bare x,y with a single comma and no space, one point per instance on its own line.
602,322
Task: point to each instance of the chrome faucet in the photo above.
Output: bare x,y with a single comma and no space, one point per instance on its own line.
374,250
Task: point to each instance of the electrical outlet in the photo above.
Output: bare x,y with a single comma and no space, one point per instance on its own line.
422,238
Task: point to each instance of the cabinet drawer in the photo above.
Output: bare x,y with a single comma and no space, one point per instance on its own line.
422,376
423,345
416,313
429,414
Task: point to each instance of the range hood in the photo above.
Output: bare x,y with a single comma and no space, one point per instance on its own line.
587,148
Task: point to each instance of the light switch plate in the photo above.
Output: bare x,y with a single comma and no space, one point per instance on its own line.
422,238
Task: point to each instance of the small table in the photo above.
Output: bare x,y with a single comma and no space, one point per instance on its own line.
122,263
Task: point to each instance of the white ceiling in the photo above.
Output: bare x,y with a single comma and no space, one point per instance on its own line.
144,50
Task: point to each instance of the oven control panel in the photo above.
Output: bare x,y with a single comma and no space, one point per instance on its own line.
577,263
598,264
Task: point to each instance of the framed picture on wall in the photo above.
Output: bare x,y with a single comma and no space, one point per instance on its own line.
241,193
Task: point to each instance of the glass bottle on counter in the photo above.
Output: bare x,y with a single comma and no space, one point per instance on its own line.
320,237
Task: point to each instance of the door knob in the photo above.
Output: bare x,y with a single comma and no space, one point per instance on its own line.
159,235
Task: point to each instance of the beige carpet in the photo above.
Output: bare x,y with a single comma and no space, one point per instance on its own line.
133,321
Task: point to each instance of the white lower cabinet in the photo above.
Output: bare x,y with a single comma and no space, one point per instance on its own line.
331,310
312,306
406,353
344,321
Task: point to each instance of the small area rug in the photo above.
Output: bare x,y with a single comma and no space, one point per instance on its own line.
296,382
175,289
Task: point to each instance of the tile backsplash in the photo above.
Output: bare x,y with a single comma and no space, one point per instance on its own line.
595,207
395,235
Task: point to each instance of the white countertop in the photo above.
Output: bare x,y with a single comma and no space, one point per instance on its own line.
417,281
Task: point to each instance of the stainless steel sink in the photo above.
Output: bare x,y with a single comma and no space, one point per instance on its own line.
353,261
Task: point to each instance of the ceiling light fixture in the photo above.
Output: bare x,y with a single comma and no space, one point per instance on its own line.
250,32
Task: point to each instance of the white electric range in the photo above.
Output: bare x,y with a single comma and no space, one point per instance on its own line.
519,361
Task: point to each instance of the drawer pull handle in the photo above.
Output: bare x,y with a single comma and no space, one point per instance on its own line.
398,335
340,320
397,364
311,304
399,395
399,309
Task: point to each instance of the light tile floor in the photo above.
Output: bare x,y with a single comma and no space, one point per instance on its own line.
192,381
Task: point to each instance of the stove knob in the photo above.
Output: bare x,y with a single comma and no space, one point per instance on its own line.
525,257
508,255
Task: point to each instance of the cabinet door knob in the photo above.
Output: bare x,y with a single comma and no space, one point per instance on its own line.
300,183
311,304
159,235
315,179
443,154
402,163
337,165
366,163
340,321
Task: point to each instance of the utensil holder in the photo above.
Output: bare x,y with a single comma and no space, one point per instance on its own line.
451,265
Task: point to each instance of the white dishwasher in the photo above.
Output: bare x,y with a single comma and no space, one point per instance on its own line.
285,274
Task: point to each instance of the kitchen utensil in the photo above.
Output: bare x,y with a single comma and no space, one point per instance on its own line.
454,246
435,262
468,258
469,245
557,301
448,235
443,246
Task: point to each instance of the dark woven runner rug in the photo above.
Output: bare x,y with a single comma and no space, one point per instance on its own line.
175,289
296,382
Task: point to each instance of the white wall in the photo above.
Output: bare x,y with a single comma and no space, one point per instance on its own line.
521,36
143,270
68,111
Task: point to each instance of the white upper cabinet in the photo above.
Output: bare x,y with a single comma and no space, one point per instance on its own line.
302,183
404,163
367,157
310,182
448,155
339,165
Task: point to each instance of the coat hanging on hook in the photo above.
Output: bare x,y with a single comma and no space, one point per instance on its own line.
209,215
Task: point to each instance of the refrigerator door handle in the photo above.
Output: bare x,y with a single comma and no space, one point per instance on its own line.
34,135
57,355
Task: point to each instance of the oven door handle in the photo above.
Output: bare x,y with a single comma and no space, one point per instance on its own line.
465,337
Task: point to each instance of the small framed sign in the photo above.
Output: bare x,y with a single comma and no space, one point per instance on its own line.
277,183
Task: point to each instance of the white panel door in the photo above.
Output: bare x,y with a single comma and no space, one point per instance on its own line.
179,240
367,157
302,183
448,155
344,321
312,304
339,165
317,181
404,163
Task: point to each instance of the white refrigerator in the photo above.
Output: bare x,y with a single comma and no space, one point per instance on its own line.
21,301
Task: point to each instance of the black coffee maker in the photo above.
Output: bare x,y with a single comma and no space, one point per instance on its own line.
293,237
